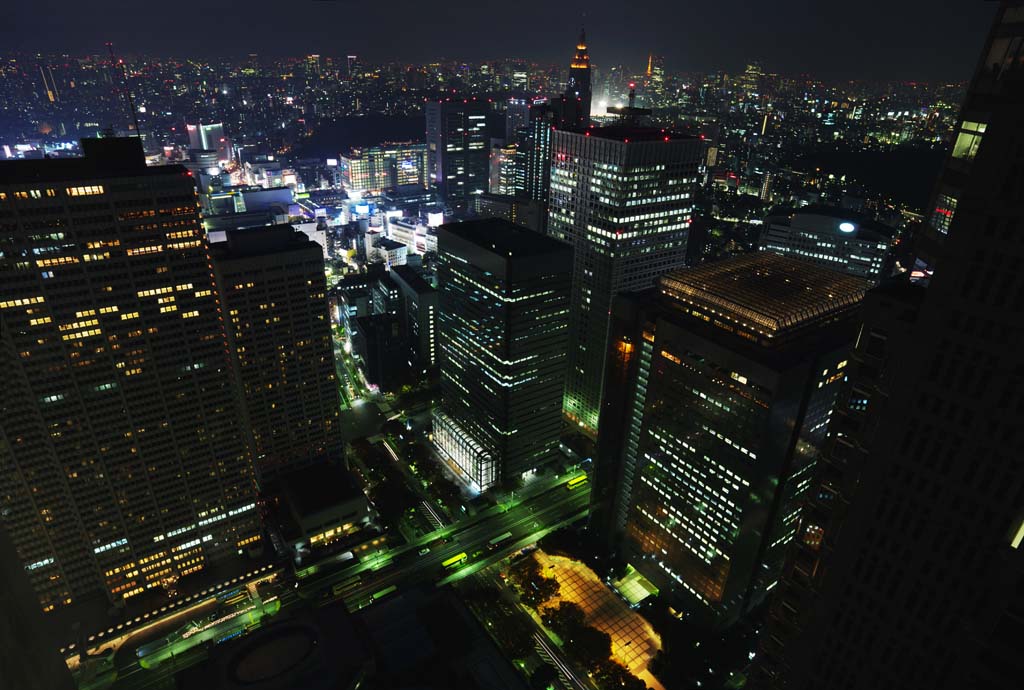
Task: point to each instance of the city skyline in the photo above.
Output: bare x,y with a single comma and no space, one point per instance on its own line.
540,374
787,37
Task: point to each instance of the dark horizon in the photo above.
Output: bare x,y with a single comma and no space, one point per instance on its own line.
787,37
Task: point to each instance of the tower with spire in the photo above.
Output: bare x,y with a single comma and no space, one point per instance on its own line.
579,88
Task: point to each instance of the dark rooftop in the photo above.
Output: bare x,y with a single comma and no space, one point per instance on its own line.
503,237
113,157
411,277
785,215
628,133
260,241
318,487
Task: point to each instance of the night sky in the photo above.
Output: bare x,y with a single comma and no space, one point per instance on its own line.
883,39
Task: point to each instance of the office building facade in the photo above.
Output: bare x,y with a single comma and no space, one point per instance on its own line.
387,166
832,238
418,306
457,149
622,197
125,464
504,301
274,296
209,138
720,388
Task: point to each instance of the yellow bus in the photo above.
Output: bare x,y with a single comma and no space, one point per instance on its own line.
456,560
578,481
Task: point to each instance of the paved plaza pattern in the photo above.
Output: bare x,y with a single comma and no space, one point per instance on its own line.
634,641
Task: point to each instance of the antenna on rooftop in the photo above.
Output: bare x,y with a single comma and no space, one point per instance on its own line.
125,91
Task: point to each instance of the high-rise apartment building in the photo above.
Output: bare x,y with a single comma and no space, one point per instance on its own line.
622,198
457,149
27,658
504,317
720,388
833,238
274,298
386,166
914,577
124,461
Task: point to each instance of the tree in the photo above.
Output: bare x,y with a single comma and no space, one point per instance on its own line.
518,637
544,677
539,590
612,675
564,619
590,645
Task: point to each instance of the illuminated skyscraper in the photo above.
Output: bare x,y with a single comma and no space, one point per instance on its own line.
273,293
909,565
622,198
750,81
124,464
579,86
313,71
655,80
209,138
503,170
503,318
721,385
457,149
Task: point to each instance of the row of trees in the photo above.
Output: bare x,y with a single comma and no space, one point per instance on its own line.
534,588
589,647
437,481
388,490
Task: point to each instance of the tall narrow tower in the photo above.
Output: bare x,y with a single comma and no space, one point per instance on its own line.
578,87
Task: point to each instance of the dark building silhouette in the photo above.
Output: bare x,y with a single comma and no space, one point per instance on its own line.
909,570
578,88
27,659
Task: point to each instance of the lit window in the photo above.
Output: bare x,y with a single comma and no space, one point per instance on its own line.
85,191
942,216
968,140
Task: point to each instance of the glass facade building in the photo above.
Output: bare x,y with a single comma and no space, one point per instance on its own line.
503,321
622,197
124,462
721,386
458,149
